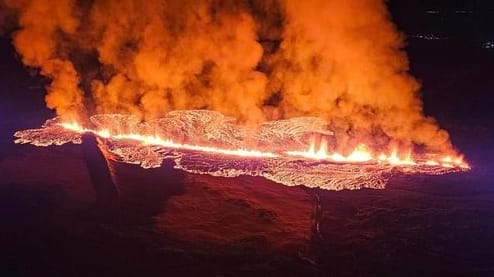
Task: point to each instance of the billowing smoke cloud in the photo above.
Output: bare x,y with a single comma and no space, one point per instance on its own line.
255,60
342,60
40,43
169,55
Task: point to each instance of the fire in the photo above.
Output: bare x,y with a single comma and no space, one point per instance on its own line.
168,143
360,154
219,148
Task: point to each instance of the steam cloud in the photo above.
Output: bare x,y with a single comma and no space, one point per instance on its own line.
254,60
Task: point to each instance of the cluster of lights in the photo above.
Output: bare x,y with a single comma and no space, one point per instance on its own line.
430,37
488,45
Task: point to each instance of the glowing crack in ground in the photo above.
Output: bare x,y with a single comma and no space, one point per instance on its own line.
206,142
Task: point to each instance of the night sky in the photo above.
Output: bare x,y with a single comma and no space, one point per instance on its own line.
468,21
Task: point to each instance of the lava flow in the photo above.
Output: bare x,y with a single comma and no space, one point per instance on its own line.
149,143
167,143
362,154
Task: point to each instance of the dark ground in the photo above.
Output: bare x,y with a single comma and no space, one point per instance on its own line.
54,223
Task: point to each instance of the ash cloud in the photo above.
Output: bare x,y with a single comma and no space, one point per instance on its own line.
253,60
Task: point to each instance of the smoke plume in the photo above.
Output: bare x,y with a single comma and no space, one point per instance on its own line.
40,43
254,60
342,60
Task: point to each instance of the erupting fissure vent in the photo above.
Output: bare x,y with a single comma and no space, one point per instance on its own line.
292,152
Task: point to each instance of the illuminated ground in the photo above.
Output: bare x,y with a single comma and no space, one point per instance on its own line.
440,225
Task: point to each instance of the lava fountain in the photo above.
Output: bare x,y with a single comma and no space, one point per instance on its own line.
284,151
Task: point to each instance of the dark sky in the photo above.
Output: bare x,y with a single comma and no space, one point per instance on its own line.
469,20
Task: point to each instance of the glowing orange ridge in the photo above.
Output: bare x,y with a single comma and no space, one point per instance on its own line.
360,154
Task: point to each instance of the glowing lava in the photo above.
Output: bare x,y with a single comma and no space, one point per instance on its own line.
168,143
362,154
212,144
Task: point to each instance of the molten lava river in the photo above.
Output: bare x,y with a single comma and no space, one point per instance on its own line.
291,152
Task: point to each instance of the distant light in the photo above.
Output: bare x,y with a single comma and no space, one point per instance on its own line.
464,11
488,45
431,11
429,37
